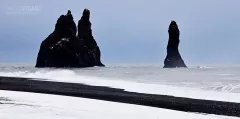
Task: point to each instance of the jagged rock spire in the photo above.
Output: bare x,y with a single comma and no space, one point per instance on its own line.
62,48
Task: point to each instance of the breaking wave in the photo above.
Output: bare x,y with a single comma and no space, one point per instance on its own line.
234,88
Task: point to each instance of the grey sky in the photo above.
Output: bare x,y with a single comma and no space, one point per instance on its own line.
129,31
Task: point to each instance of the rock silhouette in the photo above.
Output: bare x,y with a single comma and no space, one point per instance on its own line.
63,48
173,58
93,53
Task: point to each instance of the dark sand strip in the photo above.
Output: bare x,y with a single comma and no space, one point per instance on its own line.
119,95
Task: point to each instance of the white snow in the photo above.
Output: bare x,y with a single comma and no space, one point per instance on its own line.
22,105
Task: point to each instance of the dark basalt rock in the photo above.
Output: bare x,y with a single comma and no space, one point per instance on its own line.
63,48
173,58
93,53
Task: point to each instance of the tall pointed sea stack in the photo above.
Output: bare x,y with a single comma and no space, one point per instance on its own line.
63,48
85,34
173,58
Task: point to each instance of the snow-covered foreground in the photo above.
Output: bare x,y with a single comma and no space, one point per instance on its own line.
22,105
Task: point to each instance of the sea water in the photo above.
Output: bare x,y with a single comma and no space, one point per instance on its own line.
221,79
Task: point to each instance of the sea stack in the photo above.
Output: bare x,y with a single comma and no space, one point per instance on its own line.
63,48
92,51
173,58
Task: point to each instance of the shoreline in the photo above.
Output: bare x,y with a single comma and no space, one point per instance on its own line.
119,95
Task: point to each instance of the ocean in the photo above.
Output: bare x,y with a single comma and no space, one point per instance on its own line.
213,83
219,79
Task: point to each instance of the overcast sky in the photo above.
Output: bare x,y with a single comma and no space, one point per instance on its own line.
128,31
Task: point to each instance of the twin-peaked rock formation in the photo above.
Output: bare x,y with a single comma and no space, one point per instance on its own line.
63,48
173,58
